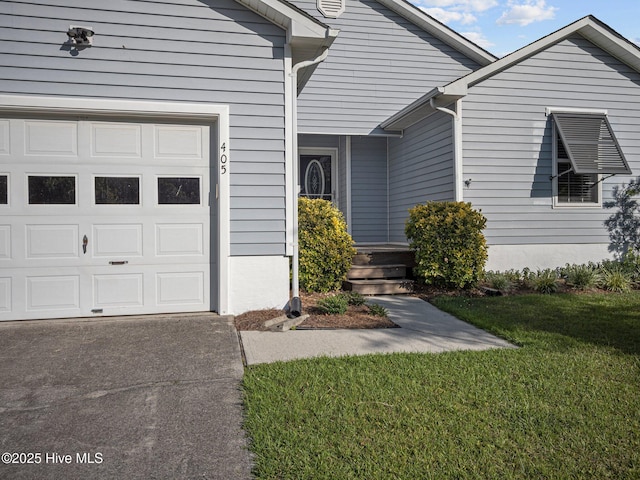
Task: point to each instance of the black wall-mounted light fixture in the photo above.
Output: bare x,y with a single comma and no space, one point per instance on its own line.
80,36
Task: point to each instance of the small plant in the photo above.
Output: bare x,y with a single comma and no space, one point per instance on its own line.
545,281
334,305
616,280
582,277
449,246
498,281
354,298
377,310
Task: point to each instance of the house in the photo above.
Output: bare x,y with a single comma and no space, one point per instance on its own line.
149,158
537,140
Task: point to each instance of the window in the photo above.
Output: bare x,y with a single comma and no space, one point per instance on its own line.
4,189
117,190
52,190
574,188
178,190
584,147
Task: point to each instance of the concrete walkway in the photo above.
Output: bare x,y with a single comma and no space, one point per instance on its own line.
423,328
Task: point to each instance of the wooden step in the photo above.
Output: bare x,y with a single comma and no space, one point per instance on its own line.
379,286
384,258
358,272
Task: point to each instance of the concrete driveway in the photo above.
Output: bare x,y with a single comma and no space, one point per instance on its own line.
146,397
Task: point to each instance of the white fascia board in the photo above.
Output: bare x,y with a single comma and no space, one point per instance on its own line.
422,108
588,27
439,30
296,22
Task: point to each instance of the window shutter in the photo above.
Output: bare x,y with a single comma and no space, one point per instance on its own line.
331,8
590,143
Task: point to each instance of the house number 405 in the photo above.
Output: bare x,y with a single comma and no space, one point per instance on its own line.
223,159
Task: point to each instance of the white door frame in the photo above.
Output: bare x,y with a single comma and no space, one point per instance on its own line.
215,115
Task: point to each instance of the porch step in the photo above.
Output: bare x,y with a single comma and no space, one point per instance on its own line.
364,257
379,286
381,270
360,272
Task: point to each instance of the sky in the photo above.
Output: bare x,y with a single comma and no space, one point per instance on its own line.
503,26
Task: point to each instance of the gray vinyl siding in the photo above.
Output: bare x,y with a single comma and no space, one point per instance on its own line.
212,51
379,64
421,169
369,189
508,141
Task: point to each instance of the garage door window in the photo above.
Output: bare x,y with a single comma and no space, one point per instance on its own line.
4,189
52,190
117,190
178,190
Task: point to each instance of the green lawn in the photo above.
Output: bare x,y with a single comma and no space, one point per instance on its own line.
564,405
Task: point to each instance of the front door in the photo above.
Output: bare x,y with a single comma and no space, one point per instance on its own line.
317,175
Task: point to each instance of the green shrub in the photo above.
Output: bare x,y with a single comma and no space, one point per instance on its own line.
326,248
334,305
449,246
354,298
377,310
545,281
582,277
616,280
498,281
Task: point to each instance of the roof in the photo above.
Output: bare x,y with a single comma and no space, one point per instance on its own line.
307,37
589,27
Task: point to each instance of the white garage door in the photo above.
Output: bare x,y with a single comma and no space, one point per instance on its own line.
103,218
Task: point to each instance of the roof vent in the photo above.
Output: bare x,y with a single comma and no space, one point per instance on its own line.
331,8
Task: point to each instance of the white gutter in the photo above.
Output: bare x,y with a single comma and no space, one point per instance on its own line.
457,145
295,306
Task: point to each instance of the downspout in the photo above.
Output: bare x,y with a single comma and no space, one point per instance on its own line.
295,305
457,145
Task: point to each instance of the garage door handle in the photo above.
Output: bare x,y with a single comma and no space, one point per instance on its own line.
119,262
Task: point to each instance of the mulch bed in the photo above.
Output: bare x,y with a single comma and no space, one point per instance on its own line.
356,317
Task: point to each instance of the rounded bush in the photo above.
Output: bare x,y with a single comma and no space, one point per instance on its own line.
326,248
449,246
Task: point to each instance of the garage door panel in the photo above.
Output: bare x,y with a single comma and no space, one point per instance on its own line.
115,140
119,240
180,288
52,241
51,138
5,294
118,290
5,242
5,145
54,292
180,142
180,239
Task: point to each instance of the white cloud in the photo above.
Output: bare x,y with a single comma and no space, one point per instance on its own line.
466,6
528,12
448,16
479,39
